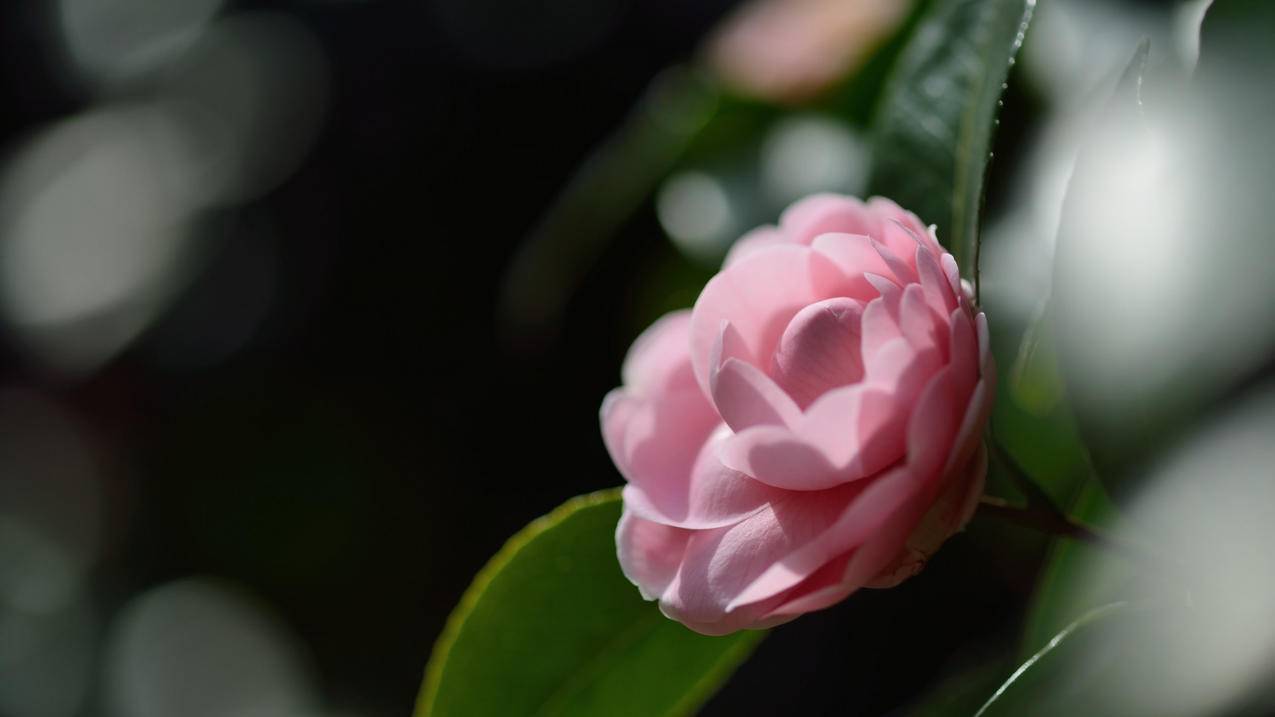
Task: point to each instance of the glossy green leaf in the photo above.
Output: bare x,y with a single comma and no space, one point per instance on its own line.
551,627
1235,35
1162,655
1068,584
933,130
1043,684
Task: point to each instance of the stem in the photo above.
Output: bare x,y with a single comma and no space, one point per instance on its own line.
1063,526
1036,496
1043,514
1043,520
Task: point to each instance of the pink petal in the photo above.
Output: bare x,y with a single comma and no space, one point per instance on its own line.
664,446
659,358
984,343
937,289
879,325
903,242
902,273
889,211
947,515
858,429
822,589
870,505
729,345
877,563
961,483
848,434
618,410
863,566
826,213
719,565
934,424
952,272
876,526
778,457
746,397
855,257
902,369
819,350
916,320
954,506
758,295
758,238
707,495
756,618
649,553
970,434
663,437
883,285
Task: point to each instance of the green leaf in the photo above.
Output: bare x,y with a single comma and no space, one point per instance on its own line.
1068,584
1168,653
1236,34
551,627
1035,687
933,130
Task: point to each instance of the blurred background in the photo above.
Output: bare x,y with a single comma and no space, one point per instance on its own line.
305,307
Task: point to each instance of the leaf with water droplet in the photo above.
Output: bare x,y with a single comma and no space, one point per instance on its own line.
968,47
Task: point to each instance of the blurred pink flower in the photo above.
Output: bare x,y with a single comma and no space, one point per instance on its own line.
791,50
813,426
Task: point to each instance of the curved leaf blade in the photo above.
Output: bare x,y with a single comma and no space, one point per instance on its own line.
550,626
933,131
1022,692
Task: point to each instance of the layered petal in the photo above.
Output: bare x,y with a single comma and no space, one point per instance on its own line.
846,435
812,427
868,507
757,296
947,515
856,259
827,213
659,360
706,495
663,435
888,211
759,238
819,350
720,564
746,397
650,553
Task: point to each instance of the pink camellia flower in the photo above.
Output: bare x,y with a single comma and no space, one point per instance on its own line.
813,426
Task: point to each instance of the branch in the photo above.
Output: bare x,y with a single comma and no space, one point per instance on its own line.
1043,514
1042,520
